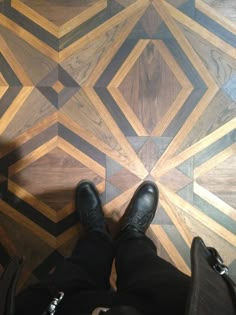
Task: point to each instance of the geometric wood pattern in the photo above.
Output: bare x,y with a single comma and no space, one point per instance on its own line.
116,92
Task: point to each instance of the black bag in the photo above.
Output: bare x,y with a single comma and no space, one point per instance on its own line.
8,283
212,290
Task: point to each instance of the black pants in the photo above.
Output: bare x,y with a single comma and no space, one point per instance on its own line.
145,281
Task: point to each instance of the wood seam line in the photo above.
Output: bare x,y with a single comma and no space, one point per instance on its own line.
33,156
27,223
119,201
35,17
170,210
200,216
170,248
106,59
14,64
135,165
82,17
197,28
219,18
32,200
215,160
196,147
214,201
29,134
120,17
14,108
203,103
83,158
29,38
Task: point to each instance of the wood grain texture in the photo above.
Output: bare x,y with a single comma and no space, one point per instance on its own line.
116,92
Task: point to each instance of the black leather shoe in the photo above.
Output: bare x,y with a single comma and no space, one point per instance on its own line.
89,207
141,209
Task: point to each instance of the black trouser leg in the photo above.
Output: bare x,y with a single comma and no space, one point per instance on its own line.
88,269
145,280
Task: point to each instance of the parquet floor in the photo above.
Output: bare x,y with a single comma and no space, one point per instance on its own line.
116,92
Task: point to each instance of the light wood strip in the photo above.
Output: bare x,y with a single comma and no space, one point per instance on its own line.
172,112
129,63
33,156
200,216
3,82
117,80
185,45
128,112
91,11
195,148
132,162
219,18
119,201
164,162
14,107
32,200
131,10
183,95
217,159
170,248
170,210
35,17
173,65
214,201
14,64
126,29
65,211
28,224
29,134
204,74
80,156
89,137
29,38
206,34
3,90
68,235
101,187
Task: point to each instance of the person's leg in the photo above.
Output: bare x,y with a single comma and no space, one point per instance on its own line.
145,280
87,269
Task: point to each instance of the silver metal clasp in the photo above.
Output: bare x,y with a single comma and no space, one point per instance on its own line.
219,266
221,269
53,305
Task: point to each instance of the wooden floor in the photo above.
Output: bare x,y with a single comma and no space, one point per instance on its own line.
116,92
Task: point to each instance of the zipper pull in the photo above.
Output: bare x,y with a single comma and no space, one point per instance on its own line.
53,305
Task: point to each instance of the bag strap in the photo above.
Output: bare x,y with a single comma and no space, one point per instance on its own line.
212,291
8,283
